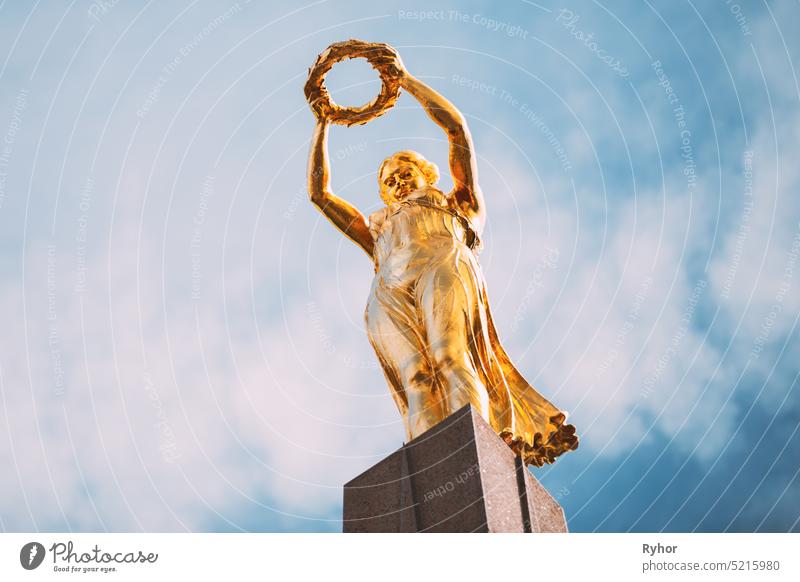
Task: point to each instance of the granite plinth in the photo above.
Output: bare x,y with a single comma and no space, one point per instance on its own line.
457,477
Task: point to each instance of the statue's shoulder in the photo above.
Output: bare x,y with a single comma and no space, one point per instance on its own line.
439,197
376,219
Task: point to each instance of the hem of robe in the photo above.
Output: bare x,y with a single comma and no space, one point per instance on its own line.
536,447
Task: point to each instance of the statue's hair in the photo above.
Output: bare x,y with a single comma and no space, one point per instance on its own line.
428,169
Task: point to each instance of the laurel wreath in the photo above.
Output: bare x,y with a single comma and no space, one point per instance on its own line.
382,59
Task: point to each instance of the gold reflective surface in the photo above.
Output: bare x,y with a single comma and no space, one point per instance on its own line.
427,315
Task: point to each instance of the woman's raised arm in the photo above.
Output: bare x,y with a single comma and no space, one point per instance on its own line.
463,165
341,213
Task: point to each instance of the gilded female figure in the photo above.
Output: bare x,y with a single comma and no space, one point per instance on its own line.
427,316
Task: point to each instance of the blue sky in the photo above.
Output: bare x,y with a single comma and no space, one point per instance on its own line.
183,346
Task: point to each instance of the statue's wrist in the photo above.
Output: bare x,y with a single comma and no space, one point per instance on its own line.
408,82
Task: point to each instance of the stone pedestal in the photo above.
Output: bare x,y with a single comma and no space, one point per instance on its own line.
457,477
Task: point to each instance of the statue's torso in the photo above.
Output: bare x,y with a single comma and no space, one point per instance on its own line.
410,233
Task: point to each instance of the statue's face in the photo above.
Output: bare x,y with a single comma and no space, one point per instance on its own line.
399,178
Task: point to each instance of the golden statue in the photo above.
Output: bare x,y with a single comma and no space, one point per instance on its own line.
428,316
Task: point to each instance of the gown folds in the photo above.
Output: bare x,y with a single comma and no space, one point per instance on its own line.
429,322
